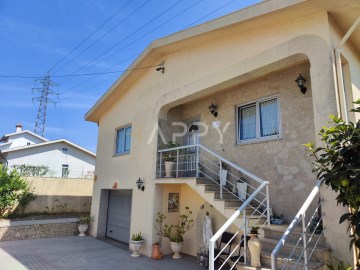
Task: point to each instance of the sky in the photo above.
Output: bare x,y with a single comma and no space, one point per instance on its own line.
69,37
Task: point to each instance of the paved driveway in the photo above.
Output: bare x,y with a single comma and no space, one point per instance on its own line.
79,253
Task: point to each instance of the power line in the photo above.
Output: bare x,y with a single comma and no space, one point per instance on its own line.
128,36
92,34
76,75
105,34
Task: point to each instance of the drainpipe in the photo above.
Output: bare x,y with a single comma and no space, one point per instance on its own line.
6,162
339,71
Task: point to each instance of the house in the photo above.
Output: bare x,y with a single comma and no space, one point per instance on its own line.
229,86
63,158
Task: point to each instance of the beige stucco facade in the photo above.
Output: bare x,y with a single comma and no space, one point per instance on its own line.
240,58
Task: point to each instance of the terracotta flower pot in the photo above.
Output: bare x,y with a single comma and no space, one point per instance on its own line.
156,253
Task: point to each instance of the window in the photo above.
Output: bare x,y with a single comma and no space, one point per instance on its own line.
123,140
65,171
259,120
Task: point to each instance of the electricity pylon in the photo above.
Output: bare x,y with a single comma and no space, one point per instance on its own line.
45,92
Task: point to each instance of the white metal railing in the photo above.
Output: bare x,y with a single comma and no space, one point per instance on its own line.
199,161
310,235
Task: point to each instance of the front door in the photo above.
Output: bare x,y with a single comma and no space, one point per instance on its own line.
191,138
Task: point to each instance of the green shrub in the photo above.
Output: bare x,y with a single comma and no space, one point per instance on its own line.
13,190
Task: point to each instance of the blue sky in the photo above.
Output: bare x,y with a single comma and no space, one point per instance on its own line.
35,35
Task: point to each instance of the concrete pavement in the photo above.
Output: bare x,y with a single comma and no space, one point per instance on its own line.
80,253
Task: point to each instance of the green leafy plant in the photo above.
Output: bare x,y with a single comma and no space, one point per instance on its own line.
340,266
136,237
86,219
12,190
171,154
33,170
176,232
338,166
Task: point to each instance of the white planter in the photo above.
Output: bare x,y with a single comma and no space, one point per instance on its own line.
242,189
168,168
254,245
176,248
135,247
82,229
223,175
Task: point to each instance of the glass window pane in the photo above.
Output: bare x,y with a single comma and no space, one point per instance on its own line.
127,139
269,118
120,141
247,122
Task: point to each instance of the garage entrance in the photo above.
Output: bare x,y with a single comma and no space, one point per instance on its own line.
119,215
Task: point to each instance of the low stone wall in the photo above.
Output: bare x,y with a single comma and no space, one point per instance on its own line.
30,229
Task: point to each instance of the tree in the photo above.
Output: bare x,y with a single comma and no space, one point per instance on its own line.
338,166
13,190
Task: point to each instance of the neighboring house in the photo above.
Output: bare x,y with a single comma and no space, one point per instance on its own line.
63,158
246,64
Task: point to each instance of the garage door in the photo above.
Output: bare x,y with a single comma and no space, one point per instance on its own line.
119,215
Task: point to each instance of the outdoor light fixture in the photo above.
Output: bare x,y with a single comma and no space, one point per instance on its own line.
161,67
300,81
212,109
140,184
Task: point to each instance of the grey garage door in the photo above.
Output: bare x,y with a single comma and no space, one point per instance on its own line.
119,215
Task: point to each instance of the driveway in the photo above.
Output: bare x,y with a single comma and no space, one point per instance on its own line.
79,253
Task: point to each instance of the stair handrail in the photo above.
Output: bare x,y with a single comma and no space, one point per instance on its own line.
230,221
237,167
299,217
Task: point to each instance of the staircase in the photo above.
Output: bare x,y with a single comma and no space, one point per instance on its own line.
270,238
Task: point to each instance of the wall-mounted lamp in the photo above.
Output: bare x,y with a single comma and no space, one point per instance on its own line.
140,184
161,67
212,109
300,81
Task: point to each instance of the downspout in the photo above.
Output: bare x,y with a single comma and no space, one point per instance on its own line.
6,162
339,71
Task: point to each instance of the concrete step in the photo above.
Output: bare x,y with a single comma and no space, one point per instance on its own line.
265,258
276,232
241,266
215,187
204,181
226,195
319,254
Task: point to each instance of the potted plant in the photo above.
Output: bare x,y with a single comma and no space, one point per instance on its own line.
136,243
175,232
222,172
84,222
241,188
254,245
169,158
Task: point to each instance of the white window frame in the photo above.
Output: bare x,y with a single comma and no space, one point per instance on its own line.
116,140
258,132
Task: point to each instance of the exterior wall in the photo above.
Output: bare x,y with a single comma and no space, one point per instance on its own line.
193,239
21,139
81,165
283,162
59,195
201,71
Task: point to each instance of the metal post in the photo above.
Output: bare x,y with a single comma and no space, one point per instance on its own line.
220,173
211,255
304,241
177,163
268,204
160,165
245,233
197,161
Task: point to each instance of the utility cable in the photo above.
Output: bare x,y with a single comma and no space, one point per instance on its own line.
92,34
